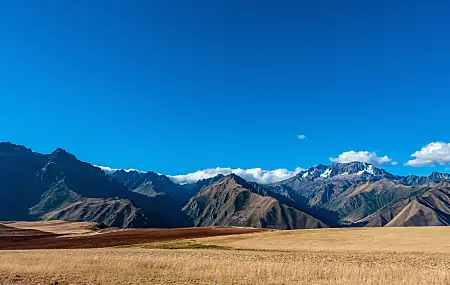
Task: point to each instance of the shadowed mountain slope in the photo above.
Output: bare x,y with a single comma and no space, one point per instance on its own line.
233,201
36,186
151,184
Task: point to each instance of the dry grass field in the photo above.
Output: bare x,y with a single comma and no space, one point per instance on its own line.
216,266
411,239
327,256
56,227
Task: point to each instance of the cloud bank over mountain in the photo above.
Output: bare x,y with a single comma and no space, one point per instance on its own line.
253,174
434,153
258,175
363,156
110,170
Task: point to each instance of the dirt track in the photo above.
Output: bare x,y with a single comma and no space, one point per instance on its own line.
11,238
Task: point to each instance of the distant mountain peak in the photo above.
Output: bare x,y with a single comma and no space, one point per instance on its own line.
61,151
217,177
8,147
234,201
151,184
341,169
158,176
233,176
237,179
62,155
355,168
194,188
439,176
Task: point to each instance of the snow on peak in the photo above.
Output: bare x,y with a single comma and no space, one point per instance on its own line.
368,169
326,173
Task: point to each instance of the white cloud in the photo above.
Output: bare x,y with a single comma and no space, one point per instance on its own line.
431,154
301,137
363,156
110,170
253,174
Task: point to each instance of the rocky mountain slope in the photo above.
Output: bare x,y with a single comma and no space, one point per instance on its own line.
36,186
57,185
432,208
151,184
359,194
233,201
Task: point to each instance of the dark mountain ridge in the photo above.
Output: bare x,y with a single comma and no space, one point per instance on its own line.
36,186
57,185
152,184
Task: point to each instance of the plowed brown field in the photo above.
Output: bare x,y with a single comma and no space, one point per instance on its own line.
14,238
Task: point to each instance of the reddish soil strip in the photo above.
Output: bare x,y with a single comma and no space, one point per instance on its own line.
42,240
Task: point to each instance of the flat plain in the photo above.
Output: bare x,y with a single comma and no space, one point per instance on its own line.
324,256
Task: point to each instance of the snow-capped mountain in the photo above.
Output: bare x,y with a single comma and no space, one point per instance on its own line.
341,170
348,193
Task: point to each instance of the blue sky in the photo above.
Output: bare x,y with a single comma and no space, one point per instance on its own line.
178,86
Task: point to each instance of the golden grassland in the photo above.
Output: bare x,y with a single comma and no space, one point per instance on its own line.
213,266
331,256
412,239
56,226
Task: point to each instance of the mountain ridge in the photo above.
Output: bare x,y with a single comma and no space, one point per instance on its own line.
355,191
151,184
32,185
233,201
57,185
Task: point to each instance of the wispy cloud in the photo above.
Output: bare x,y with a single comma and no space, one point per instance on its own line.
110,170
301,137
363,156
253,174
431,154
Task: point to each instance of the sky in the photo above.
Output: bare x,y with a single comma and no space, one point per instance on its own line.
182,86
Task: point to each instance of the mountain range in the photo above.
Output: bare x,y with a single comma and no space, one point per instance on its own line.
36,186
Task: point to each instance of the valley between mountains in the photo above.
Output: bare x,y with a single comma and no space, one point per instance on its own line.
57,186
